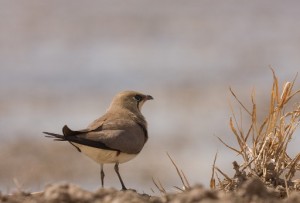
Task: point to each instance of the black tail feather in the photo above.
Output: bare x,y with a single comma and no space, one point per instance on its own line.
56,137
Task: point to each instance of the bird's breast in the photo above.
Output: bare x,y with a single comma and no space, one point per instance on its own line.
103,155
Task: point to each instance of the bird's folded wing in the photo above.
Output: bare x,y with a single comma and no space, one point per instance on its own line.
84,140
121,135
128,141
84,137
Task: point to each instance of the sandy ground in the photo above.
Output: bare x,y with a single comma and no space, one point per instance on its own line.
251,191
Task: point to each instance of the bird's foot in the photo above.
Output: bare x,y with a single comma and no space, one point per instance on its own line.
125,189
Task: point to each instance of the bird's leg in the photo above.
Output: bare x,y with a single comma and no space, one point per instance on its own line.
102,175
117,171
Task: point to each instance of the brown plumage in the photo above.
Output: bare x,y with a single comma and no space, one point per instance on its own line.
116,137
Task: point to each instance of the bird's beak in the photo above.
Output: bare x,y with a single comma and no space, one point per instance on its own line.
145,98
148,97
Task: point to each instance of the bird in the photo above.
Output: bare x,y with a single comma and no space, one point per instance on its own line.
116,137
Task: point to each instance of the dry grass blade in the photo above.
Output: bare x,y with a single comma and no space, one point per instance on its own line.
229,146
285,94
212,179
248,133
246,165
286,188
226,176
293,167
182,178
240,141
185,179
178,188
239,101
294,80
253,113
159,186
220,183
275,86
263,126
292,95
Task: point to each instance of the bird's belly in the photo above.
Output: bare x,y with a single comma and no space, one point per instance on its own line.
103,155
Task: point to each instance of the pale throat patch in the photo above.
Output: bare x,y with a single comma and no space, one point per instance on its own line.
141,103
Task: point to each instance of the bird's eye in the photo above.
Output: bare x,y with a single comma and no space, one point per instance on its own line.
138,97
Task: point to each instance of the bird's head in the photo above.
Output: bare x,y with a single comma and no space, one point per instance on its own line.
130,100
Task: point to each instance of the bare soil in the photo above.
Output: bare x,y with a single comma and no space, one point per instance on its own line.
252,191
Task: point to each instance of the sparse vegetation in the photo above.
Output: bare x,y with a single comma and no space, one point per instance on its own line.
263,146
185,183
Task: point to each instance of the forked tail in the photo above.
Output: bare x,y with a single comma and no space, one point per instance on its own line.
56,137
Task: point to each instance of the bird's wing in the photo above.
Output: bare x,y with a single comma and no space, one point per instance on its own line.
83,137
118,135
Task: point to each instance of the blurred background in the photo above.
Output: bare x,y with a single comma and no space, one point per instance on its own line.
62,61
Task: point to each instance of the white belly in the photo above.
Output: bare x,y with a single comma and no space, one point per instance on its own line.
104,156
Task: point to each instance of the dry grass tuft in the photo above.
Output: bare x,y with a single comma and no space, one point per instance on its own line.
185,183
159,186
264,145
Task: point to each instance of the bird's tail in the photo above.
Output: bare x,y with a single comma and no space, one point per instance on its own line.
56,137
